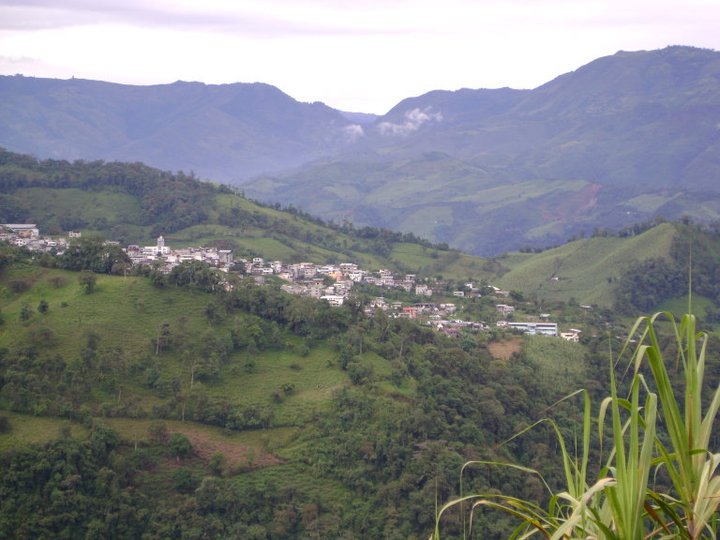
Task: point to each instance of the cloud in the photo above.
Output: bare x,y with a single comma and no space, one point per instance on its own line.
413,120
353,132
249,18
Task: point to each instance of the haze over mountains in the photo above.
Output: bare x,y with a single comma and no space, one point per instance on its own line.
222,132
623,139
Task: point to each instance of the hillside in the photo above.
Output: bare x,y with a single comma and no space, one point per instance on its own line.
162,410
247,413
134,204
587,270
621,140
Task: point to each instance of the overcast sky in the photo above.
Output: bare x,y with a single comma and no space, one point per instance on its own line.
356,55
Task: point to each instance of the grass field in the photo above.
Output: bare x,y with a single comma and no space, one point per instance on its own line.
26,430
127,313
586,269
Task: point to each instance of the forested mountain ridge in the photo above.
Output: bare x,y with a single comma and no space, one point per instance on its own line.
223,132
624,139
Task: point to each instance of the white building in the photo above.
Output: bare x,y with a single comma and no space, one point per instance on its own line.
535,328
334,300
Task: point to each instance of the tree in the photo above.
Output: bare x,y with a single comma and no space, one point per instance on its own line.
180,446
43,306
93,254
87,281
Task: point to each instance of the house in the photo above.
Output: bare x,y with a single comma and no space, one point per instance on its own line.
572,335
448,308
225,256
348,267
505,309
411,311
500,292
423,290
333,299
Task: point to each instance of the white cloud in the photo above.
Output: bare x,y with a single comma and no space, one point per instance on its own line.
354,132
413,120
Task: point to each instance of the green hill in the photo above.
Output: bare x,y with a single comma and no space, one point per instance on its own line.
133,204
143,407
587,270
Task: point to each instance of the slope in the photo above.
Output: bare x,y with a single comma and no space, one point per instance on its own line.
585,270
619,141
133,204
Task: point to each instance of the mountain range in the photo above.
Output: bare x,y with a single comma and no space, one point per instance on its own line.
624,139
222,132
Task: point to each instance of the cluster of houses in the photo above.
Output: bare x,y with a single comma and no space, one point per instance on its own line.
166,259
27,235
330,282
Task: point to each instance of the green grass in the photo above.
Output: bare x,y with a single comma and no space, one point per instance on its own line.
587,269
26,430
44,203
314,384
125,311
266,440
303,479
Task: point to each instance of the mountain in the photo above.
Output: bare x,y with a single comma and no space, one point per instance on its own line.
223,132
623,139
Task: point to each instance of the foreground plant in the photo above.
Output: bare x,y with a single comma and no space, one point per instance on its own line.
619,504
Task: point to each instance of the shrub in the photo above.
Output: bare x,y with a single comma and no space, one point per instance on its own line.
19,285
184,481
87,281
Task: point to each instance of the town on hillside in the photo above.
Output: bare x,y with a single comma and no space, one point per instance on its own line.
332,283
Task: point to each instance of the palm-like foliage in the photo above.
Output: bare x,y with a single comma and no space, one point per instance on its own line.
619,504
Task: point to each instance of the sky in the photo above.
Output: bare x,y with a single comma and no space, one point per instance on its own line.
354,55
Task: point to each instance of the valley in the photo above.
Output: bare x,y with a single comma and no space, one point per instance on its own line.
363,309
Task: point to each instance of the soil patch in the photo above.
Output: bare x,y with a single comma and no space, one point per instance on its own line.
236,455
503,350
